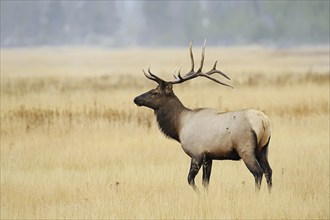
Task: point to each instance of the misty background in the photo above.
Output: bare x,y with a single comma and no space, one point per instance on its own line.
163,23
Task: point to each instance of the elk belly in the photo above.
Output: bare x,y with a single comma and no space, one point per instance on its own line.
204,131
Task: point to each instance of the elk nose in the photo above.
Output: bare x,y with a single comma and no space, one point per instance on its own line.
136,101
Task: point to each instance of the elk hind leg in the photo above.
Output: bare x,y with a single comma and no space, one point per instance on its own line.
207,167
195,165
263,161
248,156
254,167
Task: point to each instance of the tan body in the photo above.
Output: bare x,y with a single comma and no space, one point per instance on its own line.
206,131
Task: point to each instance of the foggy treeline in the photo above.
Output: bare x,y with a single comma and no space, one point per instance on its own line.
163,23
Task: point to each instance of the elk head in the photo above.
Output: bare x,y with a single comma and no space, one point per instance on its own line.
159,96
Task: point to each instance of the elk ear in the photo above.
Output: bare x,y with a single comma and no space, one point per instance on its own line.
168,88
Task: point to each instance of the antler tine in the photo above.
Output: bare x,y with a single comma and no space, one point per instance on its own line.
146,75
151,74
214,70
149,77
179,73
215,65
177,69
153,77
202,59
175,72
215,80
191,58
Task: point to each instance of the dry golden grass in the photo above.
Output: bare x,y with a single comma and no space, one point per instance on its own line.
74,146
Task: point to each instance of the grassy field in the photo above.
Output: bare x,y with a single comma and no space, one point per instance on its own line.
74,146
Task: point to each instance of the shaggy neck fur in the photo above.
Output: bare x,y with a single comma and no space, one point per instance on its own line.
168,117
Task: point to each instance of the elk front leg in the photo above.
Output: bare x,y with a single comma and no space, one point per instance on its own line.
195,165
207,166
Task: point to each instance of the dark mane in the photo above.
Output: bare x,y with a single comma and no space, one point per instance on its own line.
168,118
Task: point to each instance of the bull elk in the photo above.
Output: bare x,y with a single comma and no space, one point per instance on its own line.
206,134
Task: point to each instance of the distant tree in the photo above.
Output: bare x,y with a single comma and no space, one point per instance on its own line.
158,21
126,23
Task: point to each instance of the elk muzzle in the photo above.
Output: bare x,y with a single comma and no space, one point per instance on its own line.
138,101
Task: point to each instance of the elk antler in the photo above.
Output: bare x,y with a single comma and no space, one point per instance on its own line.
192,74
153,77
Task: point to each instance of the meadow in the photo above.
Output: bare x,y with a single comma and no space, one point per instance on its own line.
74,145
